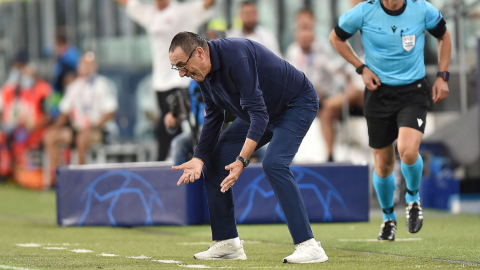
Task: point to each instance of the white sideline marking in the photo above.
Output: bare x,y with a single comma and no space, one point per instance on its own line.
14,268
194,243
107,255
166,261
375,240
194,266
54,248
142,257
81,250
28,245
62,244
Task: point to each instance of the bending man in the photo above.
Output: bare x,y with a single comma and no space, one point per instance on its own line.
273,102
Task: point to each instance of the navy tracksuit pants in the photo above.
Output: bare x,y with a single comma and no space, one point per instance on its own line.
285,135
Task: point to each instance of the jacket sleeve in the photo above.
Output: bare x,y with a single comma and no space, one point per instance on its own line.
213,121
244,75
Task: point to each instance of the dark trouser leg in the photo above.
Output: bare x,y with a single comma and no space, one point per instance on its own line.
164,138
288,132
220,205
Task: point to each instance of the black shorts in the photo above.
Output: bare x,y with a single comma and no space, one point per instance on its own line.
391,107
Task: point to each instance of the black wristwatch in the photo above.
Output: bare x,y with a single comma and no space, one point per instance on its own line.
445,75
360,69
244,161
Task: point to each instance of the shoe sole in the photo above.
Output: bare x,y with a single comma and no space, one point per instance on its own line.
322,260
228,257
417,230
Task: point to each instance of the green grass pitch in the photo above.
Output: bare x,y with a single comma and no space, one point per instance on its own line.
28,217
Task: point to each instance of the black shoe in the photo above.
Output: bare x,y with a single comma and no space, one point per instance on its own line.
414,217
388,230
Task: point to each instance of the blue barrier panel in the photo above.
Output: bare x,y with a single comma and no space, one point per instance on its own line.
331,193
136,196
132,195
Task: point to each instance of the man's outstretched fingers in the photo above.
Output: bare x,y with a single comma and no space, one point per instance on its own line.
180,181
179,167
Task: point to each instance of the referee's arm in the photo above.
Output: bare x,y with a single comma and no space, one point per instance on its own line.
343,48
444,48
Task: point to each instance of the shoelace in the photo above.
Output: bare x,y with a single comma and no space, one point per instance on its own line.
302,246
218,244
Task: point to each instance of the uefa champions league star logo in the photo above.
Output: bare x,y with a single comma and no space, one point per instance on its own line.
105,188
325,194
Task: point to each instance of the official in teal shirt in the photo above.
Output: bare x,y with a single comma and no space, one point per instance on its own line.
398,94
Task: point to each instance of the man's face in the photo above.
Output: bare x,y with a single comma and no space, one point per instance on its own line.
305,21
249,16
195,68
87,65
161,4
305,38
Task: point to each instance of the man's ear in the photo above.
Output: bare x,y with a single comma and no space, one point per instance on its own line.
200,53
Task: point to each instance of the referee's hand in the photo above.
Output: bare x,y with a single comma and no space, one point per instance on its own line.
439,90
370,79
191,171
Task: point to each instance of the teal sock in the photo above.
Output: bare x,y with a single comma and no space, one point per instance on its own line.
413,176
385,188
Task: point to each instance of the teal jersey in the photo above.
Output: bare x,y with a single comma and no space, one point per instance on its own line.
393,41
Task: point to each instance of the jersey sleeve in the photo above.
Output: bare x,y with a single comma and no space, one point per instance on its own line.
109,98
196,12
432,16
350,22
139,12
434,22
66,103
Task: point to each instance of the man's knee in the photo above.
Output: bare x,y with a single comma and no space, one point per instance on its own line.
81,141
408,154
384,168
50,137
271,165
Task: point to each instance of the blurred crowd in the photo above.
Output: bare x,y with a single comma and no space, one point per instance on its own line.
41,121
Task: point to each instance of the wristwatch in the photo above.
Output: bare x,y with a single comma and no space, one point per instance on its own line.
244,161
445,75
359,70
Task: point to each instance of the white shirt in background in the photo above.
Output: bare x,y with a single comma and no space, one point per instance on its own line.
161,27
87,100
260,35
323,67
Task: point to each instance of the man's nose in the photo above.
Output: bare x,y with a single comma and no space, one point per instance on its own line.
182,72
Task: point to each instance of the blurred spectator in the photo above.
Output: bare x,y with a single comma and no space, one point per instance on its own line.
252,30
15,71
162,21
331,76
89,102
22,106
67,61
184,143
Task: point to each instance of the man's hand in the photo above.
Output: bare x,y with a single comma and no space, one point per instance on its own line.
170,120
236,168
191,171
439,90
370,79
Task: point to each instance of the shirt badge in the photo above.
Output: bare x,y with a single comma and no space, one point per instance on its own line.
408,42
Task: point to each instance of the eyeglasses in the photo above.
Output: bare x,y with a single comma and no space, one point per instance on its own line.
184,67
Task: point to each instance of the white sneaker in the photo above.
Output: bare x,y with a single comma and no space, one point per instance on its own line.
230,249
307,252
